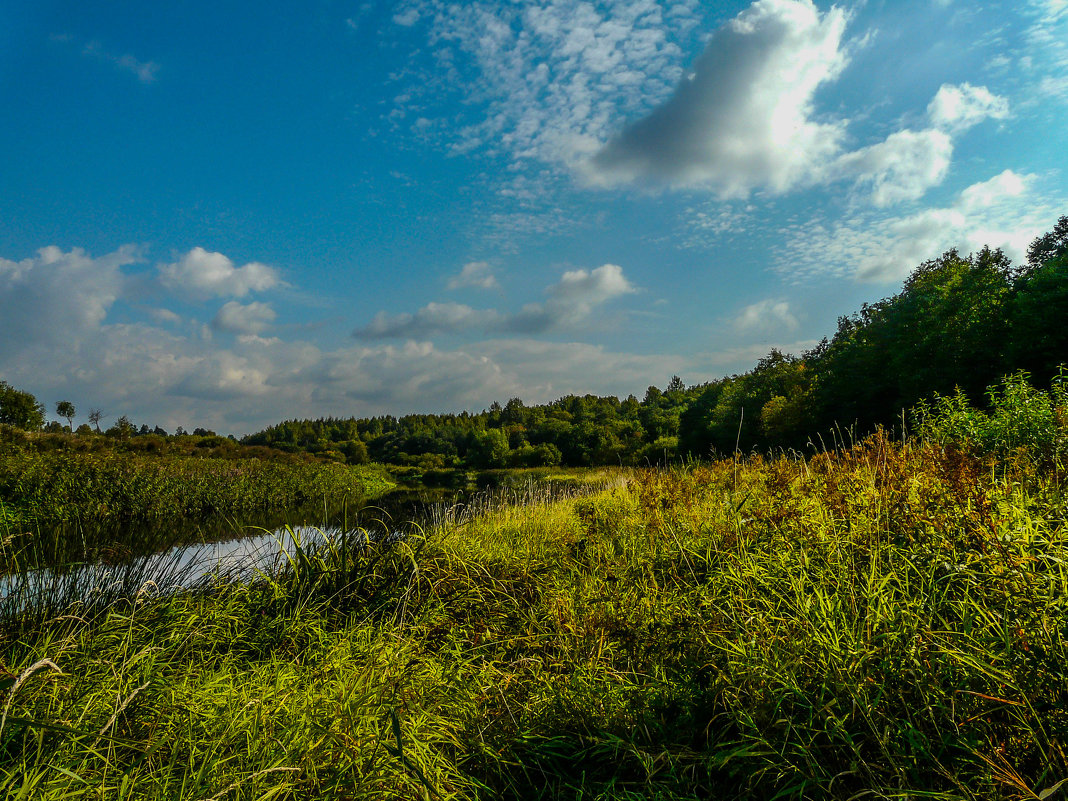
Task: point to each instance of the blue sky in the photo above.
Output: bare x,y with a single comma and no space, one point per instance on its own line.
229,214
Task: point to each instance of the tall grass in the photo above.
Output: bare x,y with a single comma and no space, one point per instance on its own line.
887,622
55,486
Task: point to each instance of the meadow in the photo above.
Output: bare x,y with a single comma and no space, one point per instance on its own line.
883,621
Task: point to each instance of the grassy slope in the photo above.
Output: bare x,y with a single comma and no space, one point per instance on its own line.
891,619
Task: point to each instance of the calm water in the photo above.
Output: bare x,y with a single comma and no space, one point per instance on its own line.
82,563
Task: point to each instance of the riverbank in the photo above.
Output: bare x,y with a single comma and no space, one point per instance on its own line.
64,484
888,620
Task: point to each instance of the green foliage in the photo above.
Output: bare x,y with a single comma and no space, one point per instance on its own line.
1020,418
883,622
39,486
1037,314
762,407
946,328
66,410
574,430
20,409
1050,246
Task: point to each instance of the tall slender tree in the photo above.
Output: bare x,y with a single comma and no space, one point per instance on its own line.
66,410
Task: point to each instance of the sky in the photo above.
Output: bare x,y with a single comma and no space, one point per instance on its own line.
228,214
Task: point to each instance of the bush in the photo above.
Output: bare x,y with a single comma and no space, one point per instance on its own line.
1020,418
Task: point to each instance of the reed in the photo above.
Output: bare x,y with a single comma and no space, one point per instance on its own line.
885,621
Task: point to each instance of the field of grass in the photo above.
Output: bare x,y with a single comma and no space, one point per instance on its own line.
887,622
40,486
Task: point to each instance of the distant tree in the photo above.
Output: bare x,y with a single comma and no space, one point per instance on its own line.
675,385
95,416
122,429
355,451
490,449
20,409
66,410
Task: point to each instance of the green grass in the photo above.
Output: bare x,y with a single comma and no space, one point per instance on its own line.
49,486
887,622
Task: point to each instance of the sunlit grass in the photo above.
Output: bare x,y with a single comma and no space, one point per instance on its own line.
885,622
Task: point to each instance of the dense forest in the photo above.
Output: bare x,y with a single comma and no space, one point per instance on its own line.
959,322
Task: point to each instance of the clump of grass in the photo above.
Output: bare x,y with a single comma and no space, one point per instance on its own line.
887,621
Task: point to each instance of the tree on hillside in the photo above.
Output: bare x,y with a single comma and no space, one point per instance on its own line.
946,328
1039,309
1050,246
20,409
95,416
66,410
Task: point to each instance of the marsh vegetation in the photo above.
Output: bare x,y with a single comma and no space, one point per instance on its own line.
887,620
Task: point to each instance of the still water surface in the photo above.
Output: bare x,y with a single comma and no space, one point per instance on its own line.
83,562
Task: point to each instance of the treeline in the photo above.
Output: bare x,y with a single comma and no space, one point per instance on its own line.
958,322
575,430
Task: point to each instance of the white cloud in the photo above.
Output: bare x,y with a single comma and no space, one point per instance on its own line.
765,316
745,118
1002,212
236,318
1047,49
203,274
571,301
903,167
165,316
407,18
54,298
475,274
957,108
547,79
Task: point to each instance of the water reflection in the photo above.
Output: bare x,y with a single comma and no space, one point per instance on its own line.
116,544
94,566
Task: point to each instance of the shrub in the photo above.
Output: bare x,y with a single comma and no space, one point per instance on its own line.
1021,418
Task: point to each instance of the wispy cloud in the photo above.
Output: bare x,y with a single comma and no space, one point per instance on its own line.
145,71
765,316
548,79
1002,212
570,302
1047,52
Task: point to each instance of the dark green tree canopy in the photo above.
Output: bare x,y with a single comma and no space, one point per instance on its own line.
20,409
1050,246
